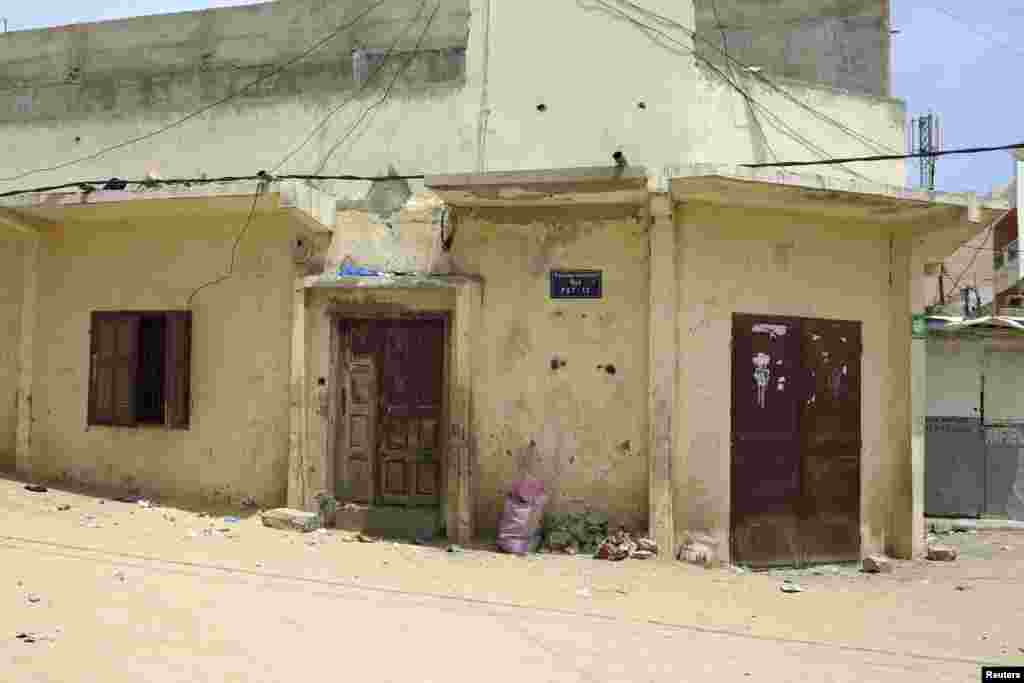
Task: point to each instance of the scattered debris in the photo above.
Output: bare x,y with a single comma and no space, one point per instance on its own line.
63,507
249,502
230,519
616,547
984,636
454,548
288,519
119,575
941,553
351,507
1006,547
736,569
33,637
699,549
962,587
169,517
584,592
33,598
875,564
145,504
363,538
127,499
790,587
36,488
322,531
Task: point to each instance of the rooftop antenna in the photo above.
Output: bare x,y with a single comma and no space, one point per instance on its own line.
926,139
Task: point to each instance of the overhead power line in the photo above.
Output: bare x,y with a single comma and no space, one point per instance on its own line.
88,186
891,157
779,124
387,91
202,110
672,23
348,100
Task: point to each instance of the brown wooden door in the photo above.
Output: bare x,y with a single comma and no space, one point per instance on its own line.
795,470
765,467
411,404
358,411
831,441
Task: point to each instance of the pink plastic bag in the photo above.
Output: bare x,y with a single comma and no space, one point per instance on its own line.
519,526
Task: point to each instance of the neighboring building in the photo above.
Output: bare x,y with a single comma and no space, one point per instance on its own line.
975,426
198,343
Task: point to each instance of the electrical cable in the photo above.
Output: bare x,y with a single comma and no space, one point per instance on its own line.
666,21
387,91
88,186
348,100
788,130
893,157
260,189
202,110
750,107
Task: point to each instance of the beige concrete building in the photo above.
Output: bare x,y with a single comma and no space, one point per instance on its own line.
623,332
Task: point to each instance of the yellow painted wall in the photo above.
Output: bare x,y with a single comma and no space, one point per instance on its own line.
125,259
11,287
579,428
736,261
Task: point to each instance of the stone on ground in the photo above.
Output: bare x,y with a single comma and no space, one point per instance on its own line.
875,564
941,553
292,520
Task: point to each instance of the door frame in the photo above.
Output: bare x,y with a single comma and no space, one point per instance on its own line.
740,319
337,381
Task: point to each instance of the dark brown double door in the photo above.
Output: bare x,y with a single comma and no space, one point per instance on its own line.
796,440
391,407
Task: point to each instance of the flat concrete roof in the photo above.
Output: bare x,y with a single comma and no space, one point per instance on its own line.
819,194
626,185
34,211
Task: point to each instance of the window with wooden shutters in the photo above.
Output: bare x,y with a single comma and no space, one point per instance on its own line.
139,368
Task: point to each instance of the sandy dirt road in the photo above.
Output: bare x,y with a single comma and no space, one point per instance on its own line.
118,592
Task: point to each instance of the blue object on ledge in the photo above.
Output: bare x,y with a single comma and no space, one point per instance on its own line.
349,270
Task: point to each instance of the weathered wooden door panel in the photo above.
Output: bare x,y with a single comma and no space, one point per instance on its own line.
765,469
831,441
359,403
796,440
412,372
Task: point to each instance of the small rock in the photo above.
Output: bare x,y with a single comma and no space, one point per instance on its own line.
363,538
169,517
288,519
322,531
231,519
790,587
145,504
454,548
643,554
33,598
119,575
570,550
941,553
63,507
1006,547
249,502
36,488
962,587
984,636
875,564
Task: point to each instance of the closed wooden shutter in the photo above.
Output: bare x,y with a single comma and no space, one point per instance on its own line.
126,368
177,369
102,364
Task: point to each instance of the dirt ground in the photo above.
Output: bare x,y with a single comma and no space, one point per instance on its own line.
161,594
